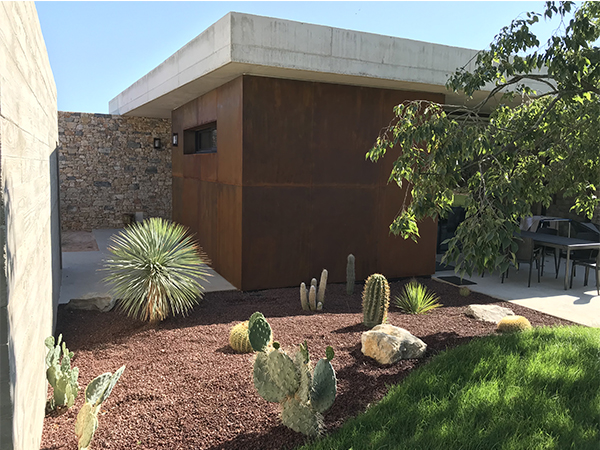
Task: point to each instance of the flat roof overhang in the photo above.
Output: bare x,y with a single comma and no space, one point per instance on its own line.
243,44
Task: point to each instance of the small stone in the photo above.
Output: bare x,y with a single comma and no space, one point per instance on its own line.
102,304
387,344
488,313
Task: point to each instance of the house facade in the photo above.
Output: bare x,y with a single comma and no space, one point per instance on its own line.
271,121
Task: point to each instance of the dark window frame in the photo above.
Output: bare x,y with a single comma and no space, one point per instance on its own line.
193,139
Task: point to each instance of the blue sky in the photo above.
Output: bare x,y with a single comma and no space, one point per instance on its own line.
98,49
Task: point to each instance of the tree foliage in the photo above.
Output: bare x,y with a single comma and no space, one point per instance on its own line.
515,157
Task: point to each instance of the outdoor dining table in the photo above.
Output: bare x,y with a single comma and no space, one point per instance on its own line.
564,243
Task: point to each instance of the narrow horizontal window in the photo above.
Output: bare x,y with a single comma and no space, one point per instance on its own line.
201,140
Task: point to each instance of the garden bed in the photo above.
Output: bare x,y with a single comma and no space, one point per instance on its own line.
184,388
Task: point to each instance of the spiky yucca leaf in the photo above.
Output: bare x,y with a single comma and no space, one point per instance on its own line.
155,269
417,299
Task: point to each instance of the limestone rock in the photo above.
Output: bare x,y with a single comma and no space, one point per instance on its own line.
387,344
102,304
488,313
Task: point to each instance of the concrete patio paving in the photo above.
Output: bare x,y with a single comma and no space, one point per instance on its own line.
581,304
82,274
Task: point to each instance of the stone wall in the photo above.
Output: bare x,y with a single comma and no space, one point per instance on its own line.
109,169
29,224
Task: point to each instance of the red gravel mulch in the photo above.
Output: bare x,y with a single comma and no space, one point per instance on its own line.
184,388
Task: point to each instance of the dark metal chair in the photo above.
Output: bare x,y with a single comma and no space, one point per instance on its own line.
527,253
546,250
588,264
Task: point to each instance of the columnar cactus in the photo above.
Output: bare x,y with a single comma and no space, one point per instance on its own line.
304,297
322,288
238,338
303,395
376,300
350,275
313,299
96,392
61,377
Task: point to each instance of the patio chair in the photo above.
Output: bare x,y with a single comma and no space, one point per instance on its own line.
548,250
527,253
581,255
588,264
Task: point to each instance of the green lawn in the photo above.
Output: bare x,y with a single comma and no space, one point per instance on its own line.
534,390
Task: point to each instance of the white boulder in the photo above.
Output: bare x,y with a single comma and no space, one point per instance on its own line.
387,344
488,313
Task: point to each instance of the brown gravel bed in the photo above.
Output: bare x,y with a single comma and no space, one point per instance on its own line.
184,388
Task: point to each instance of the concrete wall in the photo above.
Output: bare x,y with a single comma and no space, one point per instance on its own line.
109,168
29,223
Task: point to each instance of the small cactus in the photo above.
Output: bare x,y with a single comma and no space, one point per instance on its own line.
322,288
511,324
303,396
95,393
261,335
59,373
304,297
313,299
376,300
350,275
238,338
464,291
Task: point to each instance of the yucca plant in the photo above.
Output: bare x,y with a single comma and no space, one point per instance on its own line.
416,298
156,269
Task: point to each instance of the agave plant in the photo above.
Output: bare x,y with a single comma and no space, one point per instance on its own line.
156,269
416,298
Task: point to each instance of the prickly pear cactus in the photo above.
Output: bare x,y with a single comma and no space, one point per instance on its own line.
259,332
95,393
238,338
303,395
304,297
376,300
59,373
350,275
322,288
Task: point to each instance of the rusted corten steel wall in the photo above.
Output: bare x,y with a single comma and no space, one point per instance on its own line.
289,192
309,196
207,188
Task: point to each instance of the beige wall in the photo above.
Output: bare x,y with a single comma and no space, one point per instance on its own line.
29,233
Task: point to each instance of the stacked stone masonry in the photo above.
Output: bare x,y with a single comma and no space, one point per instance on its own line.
109,169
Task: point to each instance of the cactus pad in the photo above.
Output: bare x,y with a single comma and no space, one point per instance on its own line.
301,418
238,338
86,425
264,383
324,386
259,332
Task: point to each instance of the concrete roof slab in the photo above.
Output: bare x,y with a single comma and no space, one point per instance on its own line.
246,44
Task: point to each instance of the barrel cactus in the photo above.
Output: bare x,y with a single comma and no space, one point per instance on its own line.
59,373
96,392
511,324
376,300
238,338
303,394
350,274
